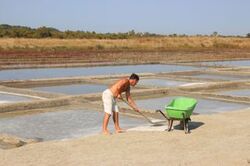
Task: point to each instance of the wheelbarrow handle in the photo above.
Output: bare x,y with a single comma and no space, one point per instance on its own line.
163,114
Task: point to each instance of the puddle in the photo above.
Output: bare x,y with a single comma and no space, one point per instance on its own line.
61,125
229,63
204,106
23,74
243,92
6,98
161,82
74,89
219,77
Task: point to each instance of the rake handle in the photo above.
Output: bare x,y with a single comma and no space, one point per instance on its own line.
138,112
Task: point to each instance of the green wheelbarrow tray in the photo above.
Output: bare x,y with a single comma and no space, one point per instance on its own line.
180,108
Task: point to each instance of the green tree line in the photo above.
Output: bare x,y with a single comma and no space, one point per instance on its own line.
48,32
9,31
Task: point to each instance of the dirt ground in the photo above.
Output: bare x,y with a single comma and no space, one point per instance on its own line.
217,139
76,58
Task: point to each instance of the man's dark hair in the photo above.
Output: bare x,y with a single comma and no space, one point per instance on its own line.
134,77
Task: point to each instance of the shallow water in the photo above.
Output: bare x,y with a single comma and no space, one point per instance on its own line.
243,92
87,71
220,77
160,82
61,125
204,106
74,89
229,63
6,98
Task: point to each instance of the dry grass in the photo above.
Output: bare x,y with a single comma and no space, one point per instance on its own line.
140,50
151,44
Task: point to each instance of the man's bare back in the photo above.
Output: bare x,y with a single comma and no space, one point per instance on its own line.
119,87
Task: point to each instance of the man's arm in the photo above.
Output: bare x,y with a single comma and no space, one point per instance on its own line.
130,100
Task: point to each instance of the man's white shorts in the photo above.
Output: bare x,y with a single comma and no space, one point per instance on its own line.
109,102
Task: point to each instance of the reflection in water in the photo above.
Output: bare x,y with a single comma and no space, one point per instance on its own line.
220,77
243,92
160,82
88,71
74,89
229,63
6,98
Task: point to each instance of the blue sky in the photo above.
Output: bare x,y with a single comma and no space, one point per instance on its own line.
228,17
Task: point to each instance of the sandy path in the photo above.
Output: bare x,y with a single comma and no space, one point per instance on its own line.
219,139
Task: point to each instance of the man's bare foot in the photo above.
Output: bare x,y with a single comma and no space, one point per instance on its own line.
120,130
106,132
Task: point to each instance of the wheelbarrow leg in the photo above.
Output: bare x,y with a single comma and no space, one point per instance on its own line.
170,124
187,125
185,121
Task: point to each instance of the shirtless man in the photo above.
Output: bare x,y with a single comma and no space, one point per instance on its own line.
109,97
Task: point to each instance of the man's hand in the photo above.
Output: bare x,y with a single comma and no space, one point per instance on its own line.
120,97
137,110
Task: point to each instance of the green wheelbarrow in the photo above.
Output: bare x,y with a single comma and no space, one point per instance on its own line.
180,109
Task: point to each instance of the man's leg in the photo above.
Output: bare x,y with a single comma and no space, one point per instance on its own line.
116,122
105,123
